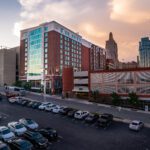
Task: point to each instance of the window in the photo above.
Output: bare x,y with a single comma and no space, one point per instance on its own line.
45,60
45,71
46,34
61,46
46,40
45,55
45,65
45,28
46,50
46,45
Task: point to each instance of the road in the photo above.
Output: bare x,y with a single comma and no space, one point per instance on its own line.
77,135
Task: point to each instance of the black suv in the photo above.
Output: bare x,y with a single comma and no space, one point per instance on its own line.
105,120
49,133
91,118
36,139
20,144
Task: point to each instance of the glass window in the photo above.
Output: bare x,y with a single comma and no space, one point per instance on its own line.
45,71
46,50
46,45
45,60
46,39
46,34
45,28
45,65
45,55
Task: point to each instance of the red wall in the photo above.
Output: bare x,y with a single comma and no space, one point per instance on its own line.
67,79
85,58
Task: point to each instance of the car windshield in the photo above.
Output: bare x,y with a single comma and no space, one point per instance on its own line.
30,121
37,136
19,126
78,114
6,131
134,123
24,145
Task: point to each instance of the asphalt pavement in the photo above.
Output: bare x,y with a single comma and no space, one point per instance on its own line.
93,107
77,135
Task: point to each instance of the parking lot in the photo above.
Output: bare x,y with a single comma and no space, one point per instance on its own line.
78,135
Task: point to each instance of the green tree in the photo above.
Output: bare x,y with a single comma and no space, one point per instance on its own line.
116,99
133,99
18,83
27,85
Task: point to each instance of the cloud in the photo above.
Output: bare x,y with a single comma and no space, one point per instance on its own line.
130,11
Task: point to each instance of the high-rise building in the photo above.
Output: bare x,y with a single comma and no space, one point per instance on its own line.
8,66
112,50
47,48
144,52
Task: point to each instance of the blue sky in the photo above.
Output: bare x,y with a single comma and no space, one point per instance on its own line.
9,13
129,20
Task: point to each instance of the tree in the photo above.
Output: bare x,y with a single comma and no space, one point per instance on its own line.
116,99
18,83
27,85
133,99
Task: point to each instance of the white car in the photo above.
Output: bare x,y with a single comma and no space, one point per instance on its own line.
136,125
43,105
6,134
14,99
50,107
17,128
29,123
81,114
56,109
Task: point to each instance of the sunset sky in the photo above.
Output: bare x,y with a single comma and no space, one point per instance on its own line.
129,20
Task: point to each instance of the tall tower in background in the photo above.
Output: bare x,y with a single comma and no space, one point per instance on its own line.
144,51
112,50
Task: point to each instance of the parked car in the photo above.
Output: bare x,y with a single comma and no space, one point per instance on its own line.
30,104
43,105
56,109
91,118
71,113
36,139
24,102
4,146
36,105
50,107
81,114
17,128
29,123
65,110
49,133
105,120
6,134
12,100
20,144
136,125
